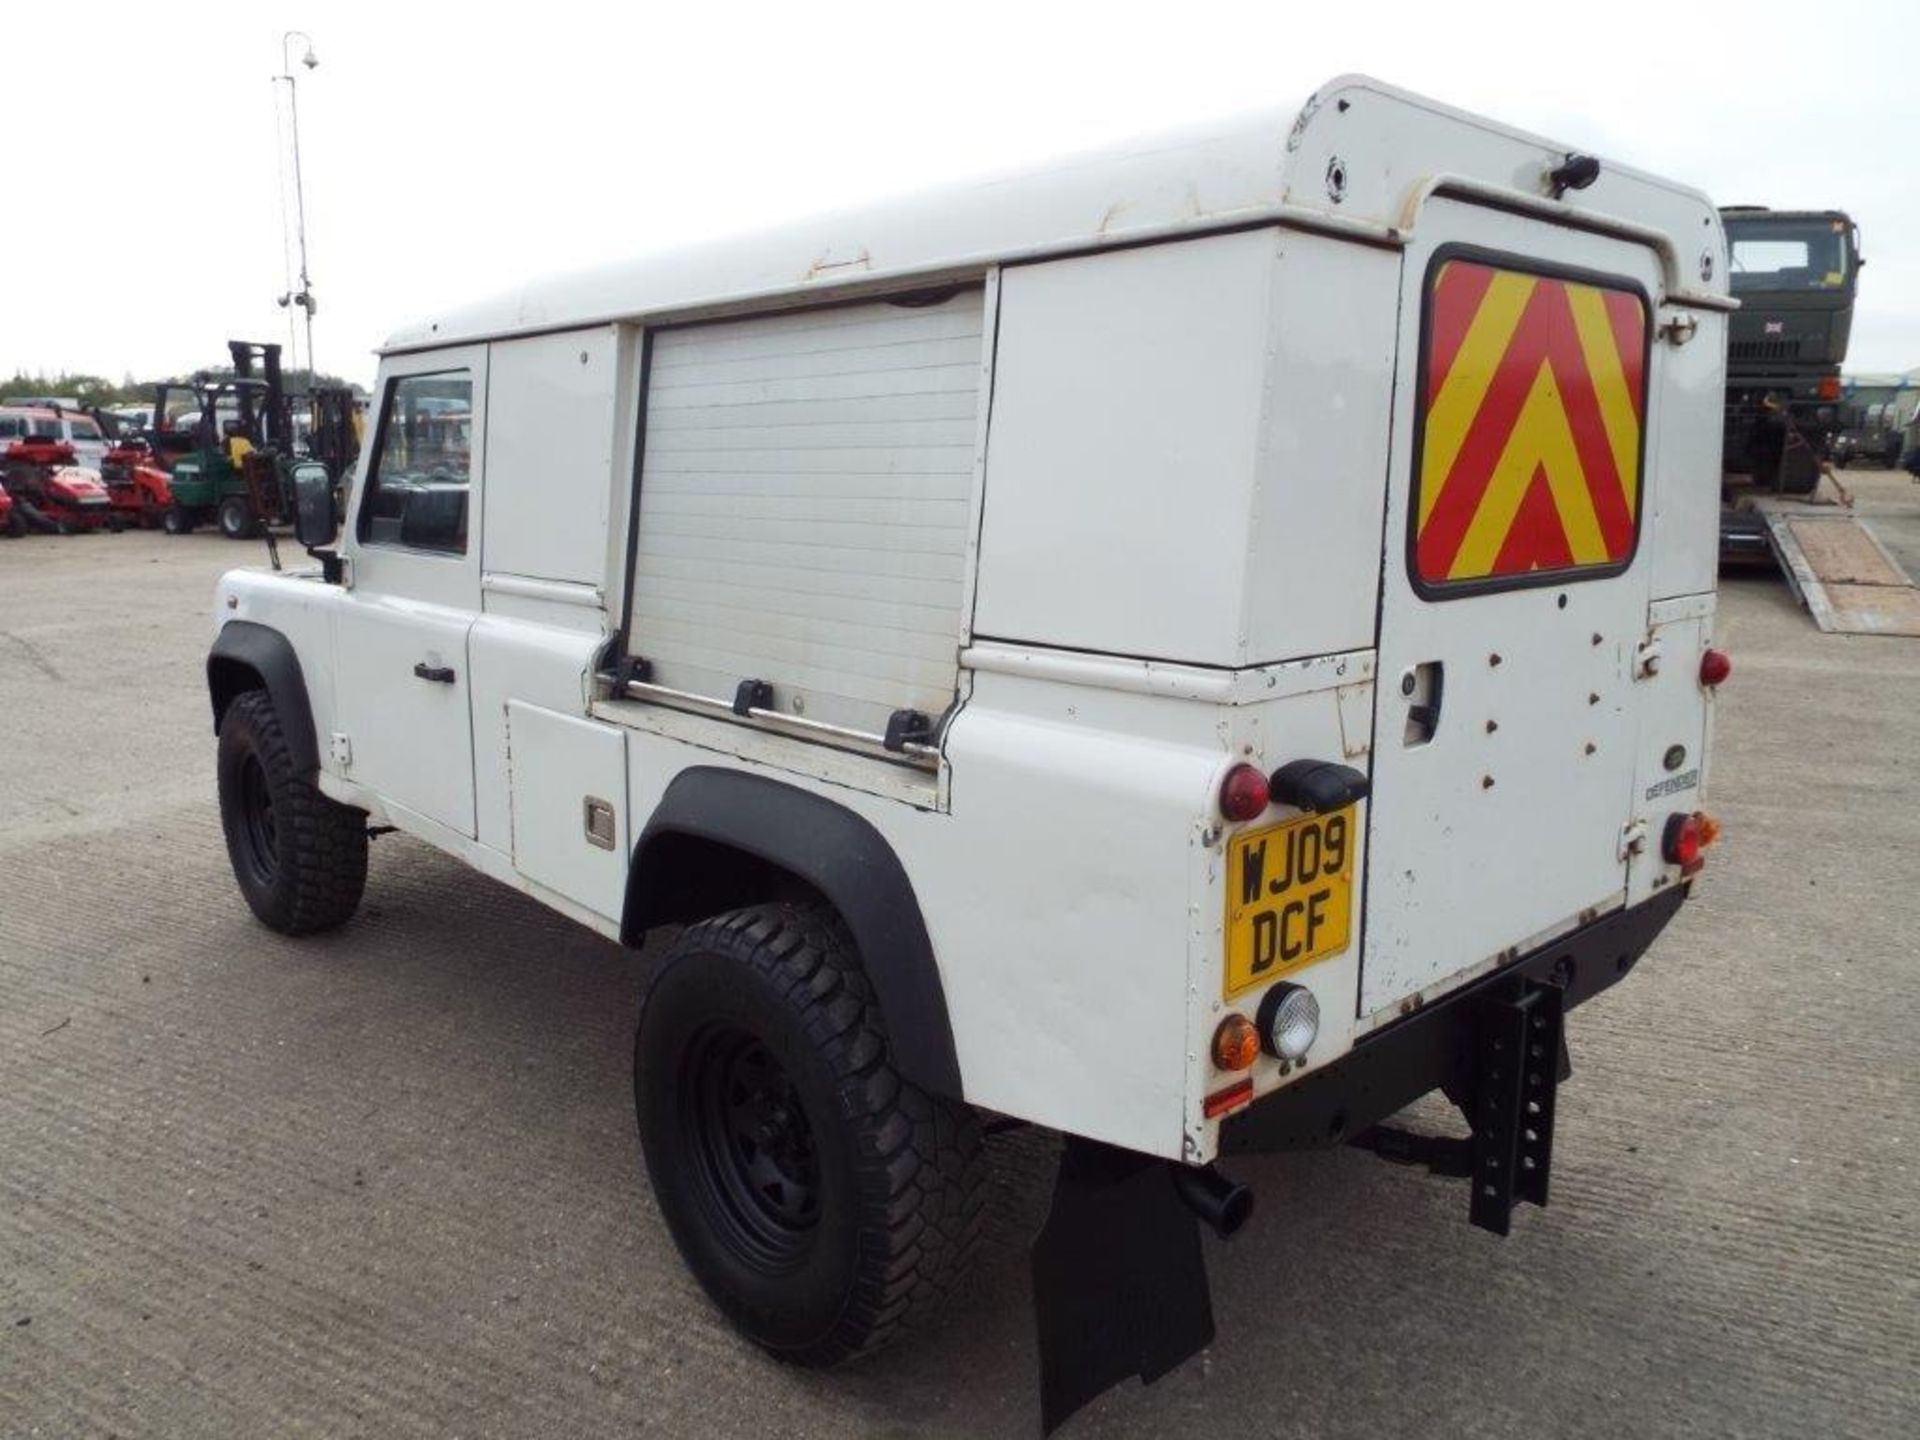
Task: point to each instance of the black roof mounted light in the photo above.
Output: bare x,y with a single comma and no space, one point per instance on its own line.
1576,172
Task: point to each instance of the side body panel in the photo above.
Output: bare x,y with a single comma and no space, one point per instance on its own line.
542,664
1127,397
549,442
1045,892
559,765
1186,450
1676,728
1313,540
300,607
1683,461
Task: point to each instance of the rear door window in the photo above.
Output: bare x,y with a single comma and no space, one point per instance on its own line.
1528,455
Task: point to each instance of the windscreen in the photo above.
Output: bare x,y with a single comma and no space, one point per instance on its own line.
1787,254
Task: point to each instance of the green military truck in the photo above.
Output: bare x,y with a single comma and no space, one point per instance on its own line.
1795,273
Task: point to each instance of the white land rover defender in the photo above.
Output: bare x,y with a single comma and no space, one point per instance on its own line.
1195,648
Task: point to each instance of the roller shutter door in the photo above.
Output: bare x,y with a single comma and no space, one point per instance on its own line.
805,497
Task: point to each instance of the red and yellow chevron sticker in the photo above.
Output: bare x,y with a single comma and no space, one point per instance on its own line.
1535,395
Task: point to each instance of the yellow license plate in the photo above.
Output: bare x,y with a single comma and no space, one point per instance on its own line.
1289,896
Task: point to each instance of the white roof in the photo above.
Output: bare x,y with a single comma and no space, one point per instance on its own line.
1272,165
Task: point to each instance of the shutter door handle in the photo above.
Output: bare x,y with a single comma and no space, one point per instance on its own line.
439,674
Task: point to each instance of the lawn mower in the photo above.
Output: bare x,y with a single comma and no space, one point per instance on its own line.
136,482
51,493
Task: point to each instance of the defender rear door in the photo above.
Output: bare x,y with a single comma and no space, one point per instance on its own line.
1514,596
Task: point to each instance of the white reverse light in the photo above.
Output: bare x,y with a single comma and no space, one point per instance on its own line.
1289,1021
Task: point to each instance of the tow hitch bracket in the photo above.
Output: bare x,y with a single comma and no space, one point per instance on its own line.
1517,1071
1517,1062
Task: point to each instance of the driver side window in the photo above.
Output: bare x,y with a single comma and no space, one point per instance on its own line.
417,485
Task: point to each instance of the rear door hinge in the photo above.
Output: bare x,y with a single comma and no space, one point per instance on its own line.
1678,329
340,748
1633,839
1646,660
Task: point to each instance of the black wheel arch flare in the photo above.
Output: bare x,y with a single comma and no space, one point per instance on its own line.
249,656
722,838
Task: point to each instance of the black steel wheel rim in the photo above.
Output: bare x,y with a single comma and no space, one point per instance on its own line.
755,1164
259,835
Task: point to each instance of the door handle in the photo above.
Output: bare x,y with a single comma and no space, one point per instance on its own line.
1423,686
439,674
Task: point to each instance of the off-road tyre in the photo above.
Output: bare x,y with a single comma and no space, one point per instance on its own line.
772,1001
177,520
300,858
236,518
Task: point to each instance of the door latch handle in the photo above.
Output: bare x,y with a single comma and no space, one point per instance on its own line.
439,674
1423,687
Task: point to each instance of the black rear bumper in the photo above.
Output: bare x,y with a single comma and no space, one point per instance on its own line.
1433,1048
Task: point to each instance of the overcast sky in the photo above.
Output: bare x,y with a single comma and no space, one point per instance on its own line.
452,150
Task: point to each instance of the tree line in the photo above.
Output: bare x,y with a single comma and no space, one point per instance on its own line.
97,391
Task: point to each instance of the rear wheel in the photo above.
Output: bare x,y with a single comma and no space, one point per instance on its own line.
236,517
824,1202
300,858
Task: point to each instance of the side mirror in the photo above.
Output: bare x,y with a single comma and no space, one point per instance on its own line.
314,517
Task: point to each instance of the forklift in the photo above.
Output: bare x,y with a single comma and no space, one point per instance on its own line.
231,450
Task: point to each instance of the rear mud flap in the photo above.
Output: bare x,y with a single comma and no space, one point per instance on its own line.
1119,1281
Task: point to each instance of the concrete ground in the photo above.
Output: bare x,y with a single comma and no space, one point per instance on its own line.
386,1184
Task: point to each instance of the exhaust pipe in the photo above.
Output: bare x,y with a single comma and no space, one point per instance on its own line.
1224,1204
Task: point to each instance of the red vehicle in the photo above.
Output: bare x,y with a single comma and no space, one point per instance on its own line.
12,522
136,482
50,492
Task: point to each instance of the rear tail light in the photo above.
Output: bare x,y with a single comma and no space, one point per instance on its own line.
1686,840
1830,387
1715,667
1244,794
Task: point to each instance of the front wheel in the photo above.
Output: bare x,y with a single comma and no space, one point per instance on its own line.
177,521
824,1202
300,858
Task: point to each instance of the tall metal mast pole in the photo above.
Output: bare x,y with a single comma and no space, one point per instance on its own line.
304,297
